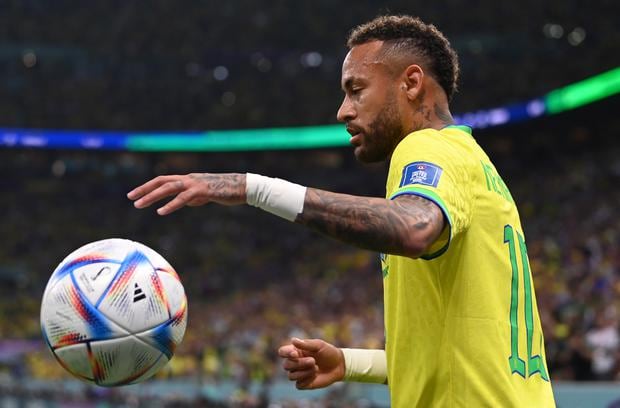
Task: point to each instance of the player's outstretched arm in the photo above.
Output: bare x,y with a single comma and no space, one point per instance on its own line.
407,226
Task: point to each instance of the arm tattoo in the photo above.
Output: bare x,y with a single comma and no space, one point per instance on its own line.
373,223
225,188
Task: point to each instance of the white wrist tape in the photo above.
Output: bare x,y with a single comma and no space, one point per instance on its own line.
364,365
274,195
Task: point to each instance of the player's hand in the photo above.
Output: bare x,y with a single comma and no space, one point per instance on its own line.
191,189
312,363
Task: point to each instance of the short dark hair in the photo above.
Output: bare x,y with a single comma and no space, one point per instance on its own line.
413,36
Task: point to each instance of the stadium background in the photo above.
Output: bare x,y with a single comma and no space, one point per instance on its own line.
254,280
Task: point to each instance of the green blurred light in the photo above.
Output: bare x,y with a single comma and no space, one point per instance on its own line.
569,97
583,92
236,140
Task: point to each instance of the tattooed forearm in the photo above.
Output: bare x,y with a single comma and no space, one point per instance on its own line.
224,188
405,226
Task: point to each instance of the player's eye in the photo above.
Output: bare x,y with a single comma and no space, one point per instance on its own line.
356,90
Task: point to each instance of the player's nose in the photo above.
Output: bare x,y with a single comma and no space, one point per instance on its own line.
346,112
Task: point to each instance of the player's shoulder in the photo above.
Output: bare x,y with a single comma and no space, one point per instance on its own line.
452,142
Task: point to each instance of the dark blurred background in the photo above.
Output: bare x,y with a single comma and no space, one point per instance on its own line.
254,280
204,65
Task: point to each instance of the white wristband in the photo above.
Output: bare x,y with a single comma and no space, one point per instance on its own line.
364,365
274,195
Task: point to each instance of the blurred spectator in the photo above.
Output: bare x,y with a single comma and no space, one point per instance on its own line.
604,344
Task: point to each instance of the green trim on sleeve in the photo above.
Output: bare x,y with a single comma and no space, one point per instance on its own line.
432,196
426,193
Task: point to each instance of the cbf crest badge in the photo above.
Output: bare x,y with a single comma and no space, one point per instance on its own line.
423,173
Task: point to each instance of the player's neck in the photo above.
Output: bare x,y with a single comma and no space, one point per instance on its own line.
441,115
430,109
430,114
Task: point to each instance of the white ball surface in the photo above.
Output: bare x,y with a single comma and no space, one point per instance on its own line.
113,312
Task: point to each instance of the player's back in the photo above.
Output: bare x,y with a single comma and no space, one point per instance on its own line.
462,325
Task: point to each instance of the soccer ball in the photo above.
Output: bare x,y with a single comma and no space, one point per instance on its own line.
113,312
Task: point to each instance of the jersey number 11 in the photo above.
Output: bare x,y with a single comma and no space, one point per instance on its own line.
535,364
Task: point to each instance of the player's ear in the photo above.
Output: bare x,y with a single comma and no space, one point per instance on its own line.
412,84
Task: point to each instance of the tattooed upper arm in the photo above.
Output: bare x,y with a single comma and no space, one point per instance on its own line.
407,225
424,219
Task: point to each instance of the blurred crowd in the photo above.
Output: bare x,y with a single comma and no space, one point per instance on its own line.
253,280
574,246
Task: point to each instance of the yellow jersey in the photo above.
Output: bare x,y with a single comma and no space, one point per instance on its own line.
462,325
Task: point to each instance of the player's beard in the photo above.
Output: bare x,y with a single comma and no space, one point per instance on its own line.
382,135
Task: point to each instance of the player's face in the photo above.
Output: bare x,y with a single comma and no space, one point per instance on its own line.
370,107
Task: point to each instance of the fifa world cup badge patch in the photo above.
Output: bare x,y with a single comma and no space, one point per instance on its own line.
424,173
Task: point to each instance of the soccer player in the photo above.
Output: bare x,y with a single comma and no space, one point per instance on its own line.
461,321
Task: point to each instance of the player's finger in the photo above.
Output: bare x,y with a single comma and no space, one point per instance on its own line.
288,351
167,189
297,364
303,375
148,187
311,345
177,202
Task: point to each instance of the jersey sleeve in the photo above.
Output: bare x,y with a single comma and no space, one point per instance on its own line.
425,165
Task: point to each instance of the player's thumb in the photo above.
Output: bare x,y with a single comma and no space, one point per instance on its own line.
311,345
